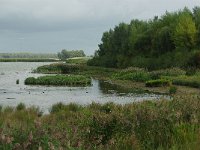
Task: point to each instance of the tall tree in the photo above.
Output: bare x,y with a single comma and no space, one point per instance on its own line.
185,32
196,14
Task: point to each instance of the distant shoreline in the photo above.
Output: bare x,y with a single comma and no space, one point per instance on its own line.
29,60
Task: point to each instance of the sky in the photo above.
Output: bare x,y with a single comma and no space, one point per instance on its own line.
48,26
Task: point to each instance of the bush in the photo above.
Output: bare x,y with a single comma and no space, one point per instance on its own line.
172,90
21,106
134,74
192,81
158,83
167,72
57,107
194,60
60,107
17,81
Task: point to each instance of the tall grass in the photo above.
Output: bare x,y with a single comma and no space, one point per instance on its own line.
59,80
59,68
79,60
165,124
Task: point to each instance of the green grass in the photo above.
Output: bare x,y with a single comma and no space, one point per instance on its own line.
163,124
142,75
158,83
59,80
27,60
191,81
78,60
59,68
133,74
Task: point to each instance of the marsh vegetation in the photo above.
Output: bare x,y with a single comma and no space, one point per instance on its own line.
145,125
157,56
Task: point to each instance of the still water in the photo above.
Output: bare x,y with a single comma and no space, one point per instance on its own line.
44,97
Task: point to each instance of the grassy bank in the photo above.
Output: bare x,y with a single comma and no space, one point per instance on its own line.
59,68
147,125
78,60
59,80
27,60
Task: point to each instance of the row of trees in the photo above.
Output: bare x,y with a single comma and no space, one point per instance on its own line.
160,41
27,55
65,54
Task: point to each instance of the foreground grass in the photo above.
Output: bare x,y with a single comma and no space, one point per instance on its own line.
161,124
59,80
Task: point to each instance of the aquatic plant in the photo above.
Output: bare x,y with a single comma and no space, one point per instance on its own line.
158,83
59,68
17,81
59,80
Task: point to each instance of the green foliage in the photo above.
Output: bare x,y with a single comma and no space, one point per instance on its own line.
59,80
172,90
160,124
59,68
196,12
17,81
194,61
21,106
185,32
60,107
134,74
191,81
159,43
142,75
79,60
167,72
158,83
65,54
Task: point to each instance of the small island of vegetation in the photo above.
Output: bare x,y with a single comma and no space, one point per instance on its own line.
59,80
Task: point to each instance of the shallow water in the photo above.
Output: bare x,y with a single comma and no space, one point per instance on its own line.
44,97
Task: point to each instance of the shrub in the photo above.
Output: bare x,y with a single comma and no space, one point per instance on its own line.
21,106
57,107
167,72
158,83
194,60
72,107
82,60
30,81
192,81
172,90
17,81
134,74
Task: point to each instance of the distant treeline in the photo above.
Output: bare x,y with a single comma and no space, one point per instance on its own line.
64,54
28,55
172,40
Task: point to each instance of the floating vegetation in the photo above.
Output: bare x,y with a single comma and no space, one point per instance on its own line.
60,80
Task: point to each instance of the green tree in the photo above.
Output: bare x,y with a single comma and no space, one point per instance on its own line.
185,32
196,14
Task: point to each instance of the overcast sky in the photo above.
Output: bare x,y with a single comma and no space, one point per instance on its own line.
52,25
